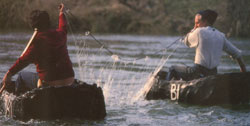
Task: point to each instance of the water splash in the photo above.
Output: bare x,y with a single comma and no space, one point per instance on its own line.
120,86
108,76
151,79
8,101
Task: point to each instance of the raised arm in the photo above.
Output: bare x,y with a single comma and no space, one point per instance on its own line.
62,19
192,38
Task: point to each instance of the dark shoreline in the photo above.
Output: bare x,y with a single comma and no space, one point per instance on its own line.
158,17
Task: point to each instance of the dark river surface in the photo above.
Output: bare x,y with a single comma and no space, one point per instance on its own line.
123,78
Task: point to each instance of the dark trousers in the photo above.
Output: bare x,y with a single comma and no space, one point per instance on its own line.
26,81
187,73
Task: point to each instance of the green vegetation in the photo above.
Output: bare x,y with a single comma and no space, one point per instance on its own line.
169,17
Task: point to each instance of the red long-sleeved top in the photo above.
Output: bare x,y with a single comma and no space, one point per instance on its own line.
49,53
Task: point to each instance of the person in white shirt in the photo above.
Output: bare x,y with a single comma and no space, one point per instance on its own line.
209,44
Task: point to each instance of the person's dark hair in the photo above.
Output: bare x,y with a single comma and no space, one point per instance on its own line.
40,20
208,15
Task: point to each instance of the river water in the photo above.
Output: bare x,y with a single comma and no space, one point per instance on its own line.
123,78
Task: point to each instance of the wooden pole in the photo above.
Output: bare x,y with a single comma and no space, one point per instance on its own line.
31,39
2,88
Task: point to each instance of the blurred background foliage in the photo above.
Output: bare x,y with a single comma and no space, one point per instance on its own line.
157,17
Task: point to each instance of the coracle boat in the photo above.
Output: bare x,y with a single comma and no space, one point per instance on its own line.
80,101
220,89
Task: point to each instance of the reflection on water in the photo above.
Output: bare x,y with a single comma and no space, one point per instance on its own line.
124,79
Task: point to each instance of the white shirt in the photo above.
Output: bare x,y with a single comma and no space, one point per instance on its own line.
209,44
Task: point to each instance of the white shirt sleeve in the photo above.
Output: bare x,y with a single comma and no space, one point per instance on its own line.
192,38
230,49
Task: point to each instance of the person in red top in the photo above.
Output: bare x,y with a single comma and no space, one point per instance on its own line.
48,51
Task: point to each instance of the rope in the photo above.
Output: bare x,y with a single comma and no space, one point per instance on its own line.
100,43
113,55
110,52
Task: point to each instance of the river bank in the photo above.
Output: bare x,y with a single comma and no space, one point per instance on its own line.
158,17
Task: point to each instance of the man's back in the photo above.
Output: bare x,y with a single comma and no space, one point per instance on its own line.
209,48
209,44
